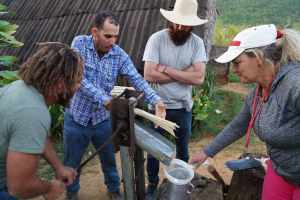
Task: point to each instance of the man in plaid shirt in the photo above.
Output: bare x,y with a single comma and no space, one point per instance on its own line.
87,119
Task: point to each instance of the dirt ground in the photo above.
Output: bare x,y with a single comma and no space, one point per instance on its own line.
92,180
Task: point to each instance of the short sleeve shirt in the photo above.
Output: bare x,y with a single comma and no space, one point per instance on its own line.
160,49
25,122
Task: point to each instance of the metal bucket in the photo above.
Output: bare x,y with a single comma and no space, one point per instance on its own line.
179,174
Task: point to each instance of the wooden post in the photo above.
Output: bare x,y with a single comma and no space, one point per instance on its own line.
139,173
127,173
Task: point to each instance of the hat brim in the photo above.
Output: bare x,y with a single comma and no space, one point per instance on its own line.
229,55
189,20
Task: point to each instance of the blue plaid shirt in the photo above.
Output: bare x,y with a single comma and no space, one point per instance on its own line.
100,76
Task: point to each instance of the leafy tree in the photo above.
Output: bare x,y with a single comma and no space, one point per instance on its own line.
7,39
203,100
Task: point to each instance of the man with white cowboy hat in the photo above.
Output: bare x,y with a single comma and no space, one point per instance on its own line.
174,62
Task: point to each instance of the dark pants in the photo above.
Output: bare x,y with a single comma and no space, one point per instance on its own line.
4,195
76,141
183,119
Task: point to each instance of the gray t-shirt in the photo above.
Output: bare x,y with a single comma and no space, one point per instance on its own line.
160,49
24,124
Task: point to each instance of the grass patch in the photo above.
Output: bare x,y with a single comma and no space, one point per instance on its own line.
229,104
254,12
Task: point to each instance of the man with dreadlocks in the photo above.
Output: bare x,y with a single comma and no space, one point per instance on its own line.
88,117
50,76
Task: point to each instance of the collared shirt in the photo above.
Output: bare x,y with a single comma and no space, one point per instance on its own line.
100,76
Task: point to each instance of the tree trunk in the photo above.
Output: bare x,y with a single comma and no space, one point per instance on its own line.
207,10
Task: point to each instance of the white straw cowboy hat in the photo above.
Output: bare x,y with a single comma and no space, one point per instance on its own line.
257,36
184,13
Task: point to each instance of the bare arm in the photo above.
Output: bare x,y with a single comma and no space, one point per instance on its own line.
50,155
152,74
65,174
22,181
193,75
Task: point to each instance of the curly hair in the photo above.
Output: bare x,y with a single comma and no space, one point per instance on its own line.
53,62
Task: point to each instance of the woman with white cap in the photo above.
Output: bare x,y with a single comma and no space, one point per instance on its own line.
271,59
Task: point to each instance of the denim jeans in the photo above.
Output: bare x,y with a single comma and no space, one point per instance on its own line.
183,119
4,195
76,141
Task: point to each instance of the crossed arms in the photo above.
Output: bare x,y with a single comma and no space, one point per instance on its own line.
190,75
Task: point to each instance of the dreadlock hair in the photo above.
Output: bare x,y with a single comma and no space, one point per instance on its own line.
53,62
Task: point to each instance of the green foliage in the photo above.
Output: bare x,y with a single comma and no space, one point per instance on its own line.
6,35
7,39
2,8
224,34
7,77
225,106
202,97
57,120
254,12
8,60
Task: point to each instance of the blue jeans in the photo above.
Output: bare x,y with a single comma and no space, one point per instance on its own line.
76,141
4,195
183,119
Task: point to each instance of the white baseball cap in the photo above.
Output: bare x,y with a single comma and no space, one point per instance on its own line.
257,36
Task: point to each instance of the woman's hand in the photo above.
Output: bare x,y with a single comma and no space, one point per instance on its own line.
198,158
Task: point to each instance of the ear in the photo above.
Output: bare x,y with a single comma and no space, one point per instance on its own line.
94,31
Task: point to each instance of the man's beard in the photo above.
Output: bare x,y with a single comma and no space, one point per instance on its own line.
179,37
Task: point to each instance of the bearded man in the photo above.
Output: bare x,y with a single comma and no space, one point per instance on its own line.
174,62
